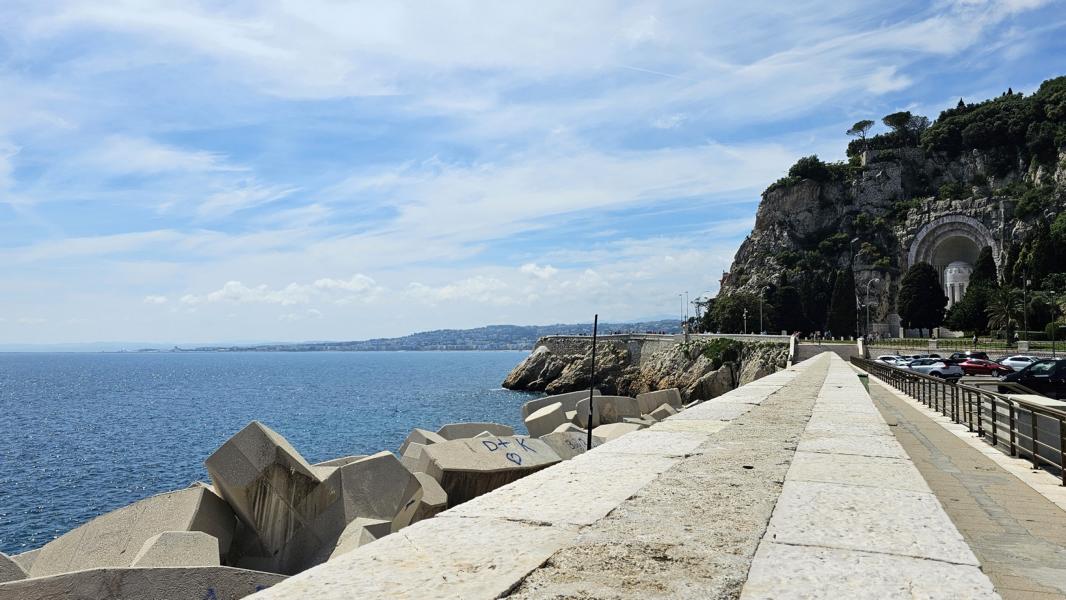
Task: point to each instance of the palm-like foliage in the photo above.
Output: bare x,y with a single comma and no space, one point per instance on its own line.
1004,306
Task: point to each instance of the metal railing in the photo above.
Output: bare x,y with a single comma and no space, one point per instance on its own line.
1015,426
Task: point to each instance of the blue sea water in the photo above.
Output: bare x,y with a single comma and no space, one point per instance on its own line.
83,434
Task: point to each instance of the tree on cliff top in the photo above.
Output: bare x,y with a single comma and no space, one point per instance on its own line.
921,299
810,167
860,129
841,320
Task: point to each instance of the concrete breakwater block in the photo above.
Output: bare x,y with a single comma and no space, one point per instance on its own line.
434,498
569,401
114,539
468,468
377,487
458,431
10,570
26,559
612,431
649,401
169,583
664,411
360,532
295,513
340,462
421,437
178,549
568,444
545,419
275,492
607,409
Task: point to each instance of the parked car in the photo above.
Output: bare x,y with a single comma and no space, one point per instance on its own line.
936,367
968,355
895,361
977,366
1045,376
1019,361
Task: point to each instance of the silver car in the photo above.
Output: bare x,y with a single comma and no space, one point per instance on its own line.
1019,362
935,367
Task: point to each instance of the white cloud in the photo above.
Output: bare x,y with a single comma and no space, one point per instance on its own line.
537,271
358,288
127,154
478,289
155,299
669,121
247,195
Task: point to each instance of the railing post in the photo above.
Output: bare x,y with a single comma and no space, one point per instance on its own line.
1062,447
1032,430
995,421
1013,440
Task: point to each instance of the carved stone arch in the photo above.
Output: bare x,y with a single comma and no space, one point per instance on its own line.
936,235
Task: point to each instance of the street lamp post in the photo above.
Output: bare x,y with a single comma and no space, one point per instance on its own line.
1025,306
851,265
868,305
745,320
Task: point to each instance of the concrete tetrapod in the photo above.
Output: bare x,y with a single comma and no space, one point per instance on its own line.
608,409
434,498
115,538
340,462
545,419
276,493
458,431
10,570
568,400
25,560
178,549
649,401
156,583
469,468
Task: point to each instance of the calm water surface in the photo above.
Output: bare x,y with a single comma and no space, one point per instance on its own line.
83,434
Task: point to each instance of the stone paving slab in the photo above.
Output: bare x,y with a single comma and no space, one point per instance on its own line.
868,471
715,411
436,558
784,572
580,491
855,518
880,520
861,445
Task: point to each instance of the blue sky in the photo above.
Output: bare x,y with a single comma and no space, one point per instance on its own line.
203,171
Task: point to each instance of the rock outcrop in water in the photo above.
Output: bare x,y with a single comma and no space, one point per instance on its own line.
701,369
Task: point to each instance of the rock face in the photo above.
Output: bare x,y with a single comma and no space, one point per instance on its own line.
695,375
114,539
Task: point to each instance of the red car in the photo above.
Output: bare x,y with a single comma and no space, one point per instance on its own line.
977,366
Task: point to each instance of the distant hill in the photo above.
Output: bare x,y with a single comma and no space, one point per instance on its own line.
492,337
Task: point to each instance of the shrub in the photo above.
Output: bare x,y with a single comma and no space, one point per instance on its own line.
810,167
951,191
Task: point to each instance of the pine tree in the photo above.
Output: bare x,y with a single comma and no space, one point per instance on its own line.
841,320
921,298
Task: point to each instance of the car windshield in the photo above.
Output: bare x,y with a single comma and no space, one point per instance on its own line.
1041,368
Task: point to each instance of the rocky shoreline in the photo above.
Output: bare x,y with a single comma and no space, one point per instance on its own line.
701,369
268,513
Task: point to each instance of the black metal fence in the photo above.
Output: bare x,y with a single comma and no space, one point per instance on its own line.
1014,425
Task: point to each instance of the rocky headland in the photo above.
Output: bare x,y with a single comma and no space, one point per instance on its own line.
700,368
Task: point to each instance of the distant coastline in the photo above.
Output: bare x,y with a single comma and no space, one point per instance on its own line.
492,337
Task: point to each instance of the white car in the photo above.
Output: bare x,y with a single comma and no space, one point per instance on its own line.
1018,362
895,361
935,367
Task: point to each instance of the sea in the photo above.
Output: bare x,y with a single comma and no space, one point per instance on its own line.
82,434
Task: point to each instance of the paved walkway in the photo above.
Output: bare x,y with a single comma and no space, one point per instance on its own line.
1018,535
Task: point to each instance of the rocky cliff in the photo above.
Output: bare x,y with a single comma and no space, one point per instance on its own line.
995,170
701,369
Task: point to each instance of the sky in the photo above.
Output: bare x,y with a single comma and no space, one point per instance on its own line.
194,172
